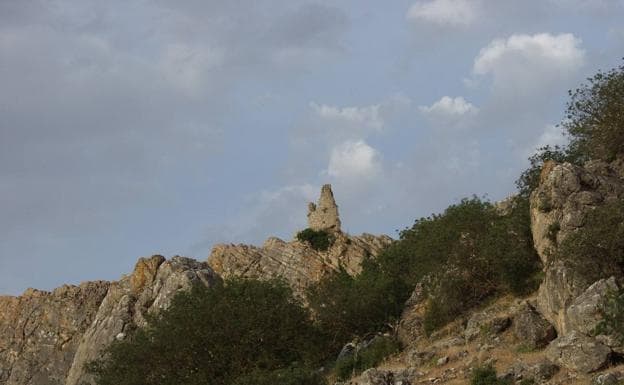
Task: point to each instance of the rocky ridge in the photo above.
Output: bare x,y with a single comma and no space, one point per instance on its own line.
46,338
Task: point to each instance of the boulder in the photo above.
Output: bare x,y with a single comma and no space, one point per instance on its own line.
485,324
584,313
578,352
533,330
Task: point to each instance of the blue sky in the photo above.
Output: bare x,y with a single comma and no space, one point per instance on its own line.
130,128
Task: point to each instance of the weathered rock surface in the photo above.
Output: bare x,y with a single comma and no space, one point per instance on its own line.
295,261
531,328
40,332
558,207
148,289
578,352
584,313
323,215
565,195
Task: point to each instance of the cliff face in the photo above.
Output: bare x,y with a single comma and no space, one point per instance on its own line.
47,338
40,332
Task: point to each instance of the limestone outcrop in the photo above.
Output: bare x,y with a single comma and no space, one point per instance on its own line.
559,205
148,289
324,214
295,261
40,332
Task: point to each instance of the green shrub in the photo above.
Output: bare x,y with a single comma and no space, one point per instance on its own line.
218,335
553,230
597,249
595,116
464,256
366,358
486,375
319,240
348,307
612,310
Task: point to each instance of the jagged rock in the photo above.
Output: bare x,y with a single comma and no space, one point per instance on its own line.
485,323
533,330
566,193
584,313
578,352
126,304
410,328
40,332
324,214
295,261
375,376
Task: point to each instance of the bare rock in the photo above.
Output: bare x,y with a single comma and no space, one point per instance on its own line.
584,313
126,304
324,214
40,332
565,195
485,324
531,328
578,352
295,261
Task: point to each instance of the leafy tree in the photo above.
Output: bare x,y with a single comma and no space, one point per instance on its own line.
221,335
595,116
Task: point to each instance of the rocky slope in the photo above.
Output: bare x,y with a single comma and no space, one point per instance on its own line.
46,338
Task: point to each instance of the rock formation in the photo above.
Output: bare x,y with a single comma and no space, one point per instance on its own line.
40,332
324,214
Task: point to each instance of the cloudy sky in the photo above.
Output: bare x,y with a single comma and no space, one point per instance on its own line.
129,128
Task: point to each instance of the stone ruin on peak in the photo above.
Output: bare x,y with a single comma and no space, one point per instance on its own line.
324,214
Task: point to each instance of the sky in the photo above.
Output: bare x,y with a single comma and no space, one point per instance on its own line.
138,127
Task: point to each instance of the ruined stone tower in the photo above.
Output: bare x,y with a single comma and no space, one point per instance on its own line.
324,214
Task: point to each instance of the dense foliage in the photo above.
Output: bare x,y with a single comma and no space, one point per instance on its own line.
597,249
240,332
612,310
319,240
348,306
465,255
369,357
595,116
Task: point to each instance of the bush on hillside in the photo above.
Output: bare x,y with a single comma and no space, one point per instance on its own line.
319,240
597,249
222,335
348,307
486,375
468,253
366,358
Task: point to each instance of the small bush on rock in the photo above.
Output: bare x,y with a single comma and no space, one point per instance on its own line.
486,375
613,315
319,240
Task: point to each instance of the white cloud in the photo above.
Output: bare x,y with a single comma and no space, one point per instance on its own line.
445,12
354,159
526,62
369,116
448,107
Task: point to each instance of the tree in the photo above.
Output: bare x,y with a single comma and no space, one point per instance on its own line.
595,116
220,335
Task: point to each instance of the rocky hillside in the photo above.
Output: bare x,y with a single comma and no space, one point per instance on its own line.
46,338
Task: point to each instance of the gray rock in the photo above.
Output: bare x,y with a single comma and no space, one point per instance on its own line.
484,324
584,313
533,330
578,352
607,379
